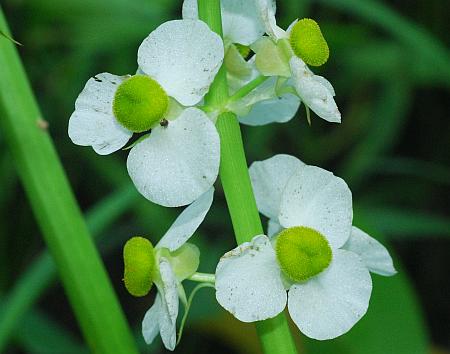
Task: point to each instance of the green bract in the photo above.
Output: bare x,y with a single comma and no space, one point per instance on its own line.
139,261
140,103
308,42
302,253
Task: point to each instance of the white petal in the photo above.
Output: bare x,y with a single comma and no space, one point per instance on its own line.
273,228
325,83
241,21
317,199
248,281
374,255
169,288
170,303
150,323
314,91
184,56
329,304
269,178
178,163
93,122
276,110
190,10
187,222
267,10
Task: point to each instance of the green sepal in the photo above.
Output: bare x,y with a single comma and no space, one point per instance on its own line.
271,58
236,64
185,261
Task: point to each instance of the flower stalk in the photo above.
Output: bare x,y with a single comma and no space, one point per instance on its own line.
274,333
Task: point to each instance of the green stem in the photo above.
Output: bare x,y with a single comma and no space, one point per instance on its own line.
188,307
246,89
225,106
203,278
80,268
274,333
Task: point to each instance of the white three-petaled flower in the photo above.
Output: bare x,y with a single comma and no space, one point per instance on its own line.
162,316
249,281
176,163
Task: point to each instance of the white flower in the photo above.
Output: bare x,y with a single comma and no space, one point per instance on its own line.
179,161
304,203
275,57
315,91
162,316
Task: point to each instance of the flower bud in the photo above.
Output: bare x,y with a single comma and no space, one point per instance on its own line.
302,253
140,103
308,43
139,261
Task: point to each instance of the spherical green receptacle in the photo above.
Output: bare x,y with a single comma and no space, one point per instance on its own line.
302,253
140,103
308,43
139,262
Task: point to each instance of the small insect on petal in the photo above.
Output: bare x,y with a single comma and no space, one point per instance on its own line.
308,42
139,261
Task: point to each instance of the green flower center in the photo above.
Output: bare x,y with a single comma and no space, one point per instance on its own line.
308,43
302,253
140,103
139,261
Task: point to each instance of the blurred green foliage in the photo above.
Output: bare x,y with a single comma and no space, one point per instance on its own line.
390,66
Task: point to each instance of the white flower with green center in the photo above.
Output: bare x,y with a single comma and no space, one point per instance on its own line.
166,265
179,160
317,263
283,55
286,54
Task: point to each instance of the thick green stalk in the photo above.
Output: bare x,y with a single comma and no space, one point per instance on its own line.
274,333
80,268
42,272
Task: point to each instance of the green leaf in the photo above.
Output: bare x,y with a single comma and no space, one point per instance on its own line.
3,34
42,272
59,217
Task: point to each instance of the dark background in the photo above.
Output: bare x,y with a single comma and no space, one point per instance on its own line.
390,67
